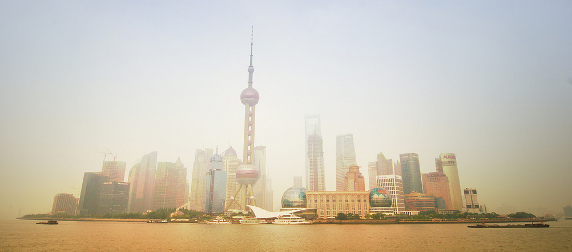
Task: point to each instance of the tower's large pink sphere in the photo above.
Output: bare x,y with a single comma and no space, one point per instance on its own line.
250,96
246,174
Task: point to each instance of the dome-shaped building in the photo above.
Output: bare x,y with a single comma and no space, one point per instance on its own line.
379,197
294,197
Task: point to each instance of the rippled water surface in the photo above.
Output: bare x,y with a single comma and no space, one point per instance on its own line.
25,235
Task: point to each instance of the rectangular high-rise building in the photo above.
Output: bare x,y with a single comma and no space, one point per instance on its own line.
382,166
215,186
170,185
230,164
437,184
354,180
115,170
200,168
142,184
449,167
372,174
113,198
90,189
345,157
261,188
472,203
315,178
65,203
411,173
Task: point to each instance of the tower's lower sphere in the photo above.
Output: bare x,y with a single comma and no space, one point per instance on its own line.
249,96
379,197
246,174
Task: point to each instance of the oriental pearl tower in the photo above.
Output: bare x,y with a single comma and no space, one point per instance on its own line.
247,174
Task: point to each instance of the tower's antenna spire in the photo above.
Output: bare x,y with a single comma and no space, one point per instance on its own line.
251,68
251,43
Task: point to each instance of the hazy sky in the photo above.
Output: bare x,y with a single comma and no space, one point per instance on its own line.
490,81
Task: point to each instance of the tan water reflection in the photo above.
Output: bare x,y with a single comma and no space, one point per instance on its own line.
104,236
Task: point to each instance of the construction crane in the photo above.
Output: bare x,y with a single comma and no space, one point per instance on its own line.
105,154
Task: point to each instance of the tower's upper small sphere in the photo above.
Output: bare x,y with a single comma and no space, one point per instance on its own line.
249,96
379,197
294,197
246,174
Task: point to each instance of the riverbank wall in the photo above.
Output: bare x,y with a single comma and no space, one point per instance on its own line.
433,221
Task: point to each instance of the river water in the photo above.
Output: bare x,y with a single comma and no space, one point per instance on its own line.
25,235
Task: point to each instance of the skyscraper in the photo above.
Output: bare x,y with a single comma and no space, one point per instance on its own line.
142,184
170,185
261,188
449,166
215,185
200,168
113,198
64,203
90,189
247,174
315,179
411,173
397,168
230,163
115,170
354,180
345,157
372,174
437,184
382,166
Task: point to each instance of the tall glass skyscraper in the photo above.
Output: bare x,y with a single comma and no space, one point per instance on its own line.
448,164
315,179
200,168
215,186
170,185
142,184
113,197
230,163
345,157
262,187
411,173
90,190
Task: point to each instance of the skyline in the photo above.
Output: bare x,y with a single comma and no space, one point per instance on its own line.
488,81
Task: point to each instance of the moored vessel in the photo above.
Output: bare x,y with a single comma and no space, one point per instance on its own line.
218,220
290,220
50,222
531,225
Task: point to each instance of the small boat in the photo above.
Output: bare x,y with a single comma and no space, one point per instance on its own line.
290,220
532,225
157,221
218,220
50,222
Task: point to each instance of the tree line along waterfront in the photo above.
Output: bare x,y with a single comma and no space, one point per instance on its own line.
185,215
